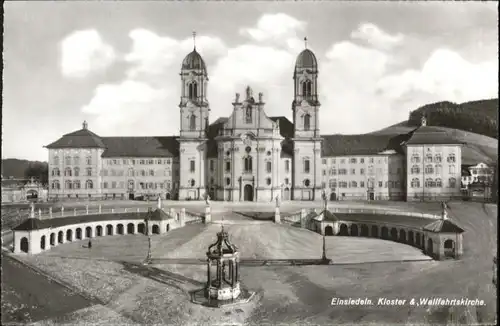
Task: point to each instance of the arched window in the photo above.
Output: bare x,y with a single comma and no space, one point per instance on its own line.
439,183
193,90
76,160
415,183
307,88
452,182
429,183
452,169
451,158
68,160
56,172
438,169
428,157
89,172
268,167
415,158
89,160
248,114
333,183
429,169
268,181
76,184
89,184
77,172
248,164
67,184
415,169
67,172
192,122
437,158
307,122
55,184
342,184
191,182
354,184
56,160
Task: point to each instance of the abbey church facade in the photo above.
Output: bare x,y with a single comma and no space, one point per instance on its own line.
249,156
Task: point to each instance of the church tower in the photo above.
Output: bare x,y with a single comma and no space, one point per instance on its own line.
194,115
307,139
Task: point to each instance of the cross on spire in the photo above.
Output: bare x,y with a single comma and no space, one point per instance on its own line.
305,42
194,39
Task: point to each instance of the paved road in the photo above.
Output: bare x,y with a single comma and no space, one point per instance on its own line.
28,296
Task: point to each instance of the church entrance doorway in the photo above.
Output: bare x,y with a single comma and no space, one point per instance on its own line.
287,194
333,196
248,193
371,195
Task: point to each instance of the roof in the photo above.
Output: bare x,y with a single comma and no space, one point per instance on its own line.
29,224
405,220
286,127
326,216
367,144
431,135
159,215
194,61
167,146
306,59
443,226
36,223
82,138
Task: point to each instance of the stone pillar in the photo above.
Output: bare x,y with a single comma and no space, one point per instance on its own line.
277,218
303,215
87,209
182,217
100,208
62,211
50,212
208,215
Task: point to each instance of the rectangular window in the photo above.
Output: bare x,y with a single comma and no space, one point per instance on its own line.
191,166
211,165
353,171
268,167
228,166
361,160
113,184
352,160
362,171
380,184
306,166
362,184
371,159
287,166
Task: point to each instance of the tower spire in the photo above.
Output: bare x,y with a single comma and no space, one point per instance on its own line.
305,42
194,40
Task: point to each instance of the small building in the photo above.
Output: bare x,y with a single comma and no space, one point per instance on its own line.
23,190
223,286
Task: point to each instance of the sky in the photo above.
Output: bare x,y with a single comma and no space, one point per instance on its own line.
116,64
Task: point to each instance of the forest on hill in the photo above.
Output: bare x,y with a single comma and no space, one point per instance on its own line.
19,169
480,117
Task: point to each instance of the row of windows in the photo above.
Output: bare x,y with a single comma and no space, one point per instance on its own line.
333,171
433,183
68,172
72,160
361,184
429,158
72,185
68,160
228,181
105,185
140,161
429,169
353,160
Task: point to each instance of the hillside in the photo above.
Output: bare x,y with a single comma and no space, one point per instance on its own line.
480,117
13,167
474,123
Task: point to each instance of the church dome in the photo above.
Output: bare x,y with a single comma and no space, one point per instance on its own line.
306,59
194,61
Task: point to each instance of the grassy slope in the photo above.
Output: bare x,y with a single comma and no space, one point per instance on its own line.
478,148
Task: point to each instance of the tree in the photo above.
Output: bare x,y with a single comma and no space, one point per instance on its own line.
39,171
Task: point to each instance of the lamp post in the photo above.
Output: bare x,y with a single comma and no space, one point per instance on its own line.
146,220
324,249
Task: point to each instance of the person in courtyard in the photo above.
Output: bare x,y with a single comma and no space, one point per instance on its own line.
90,244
